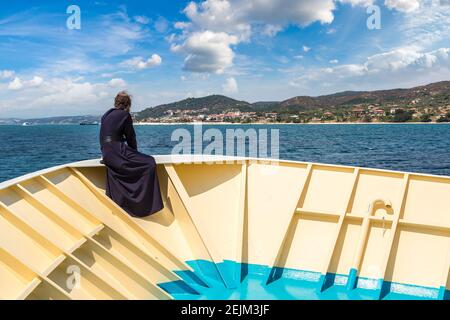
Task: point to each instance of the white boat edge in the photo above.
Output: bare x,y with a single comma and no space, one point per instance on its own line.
200,159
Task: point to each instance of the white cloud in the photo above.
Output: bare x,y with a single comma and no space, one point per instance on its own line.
141,63
271,30
426,26
238,16
182,25
117,83
306,49
207,51
35,82
218,16
67,92
364,3
285,12
56,96
230,86
334,61
212,23
402,65
6,74
402,5
215,25
16,84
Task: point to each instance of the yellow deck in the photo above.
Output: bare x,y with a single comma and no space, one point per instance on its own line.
317,218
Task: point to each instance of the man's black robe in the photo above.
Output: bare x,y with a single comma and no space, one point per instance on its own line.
132,180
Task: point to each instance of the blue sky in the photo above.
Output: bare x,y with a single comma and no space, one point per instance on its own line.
163,51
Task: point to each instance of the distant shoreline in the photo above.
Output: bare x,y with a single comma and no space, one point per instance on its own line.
236,124
281,123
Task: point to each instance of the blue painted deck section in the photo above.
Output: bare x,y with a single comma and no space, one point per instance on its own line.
236,281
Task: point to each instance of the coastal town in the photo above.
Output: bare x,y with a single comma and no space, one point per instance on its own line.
425,104
371,113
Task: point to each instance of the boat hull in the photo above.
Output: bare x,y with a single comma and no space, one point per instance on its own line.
232,228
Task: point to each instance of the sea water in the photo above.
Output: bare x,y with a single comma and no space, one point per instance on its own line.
423,148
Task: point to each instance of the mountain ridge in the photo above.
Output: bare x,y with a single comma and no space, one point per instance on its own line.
421,95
